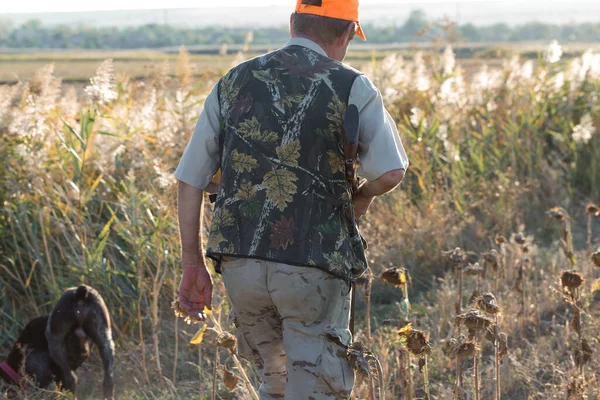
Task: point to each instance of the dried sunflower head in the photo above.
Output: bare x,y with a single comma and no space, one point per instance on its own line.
415,340
499,239
358,357
180,312
230,379
473,270
455,256
461,347
571,280
396,276
503,345
520,238
558,213
487,302
474,321
596,257
494,335
228,341
592,209
583,353
491,256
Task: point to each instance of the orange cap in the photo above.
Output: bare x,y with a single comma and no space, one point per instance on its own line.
340,9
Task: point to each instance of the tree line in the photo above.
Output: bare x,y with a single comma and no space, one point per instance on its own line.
417,27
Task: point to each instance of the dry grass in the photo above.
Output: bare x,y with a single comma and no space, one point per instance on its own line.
87,195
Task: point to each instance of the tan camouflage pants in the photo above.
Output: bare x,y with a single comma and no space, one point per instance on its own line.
291,322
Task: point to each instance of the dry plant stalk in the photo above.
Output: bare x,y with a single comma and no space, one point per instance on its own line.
224,339
571,282
488,303
400,277
475,324
591,210
457,257
417,344
460,348
364,362
566,237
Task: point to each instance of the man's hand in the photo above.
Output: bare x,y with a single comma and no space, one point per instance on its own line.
363,197
195,290
361,204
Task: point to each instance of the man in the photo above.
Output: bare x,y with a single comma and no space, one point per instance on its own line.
283,232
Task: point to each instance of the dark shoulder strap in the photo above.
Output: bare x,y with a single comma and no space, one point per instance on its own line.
351,130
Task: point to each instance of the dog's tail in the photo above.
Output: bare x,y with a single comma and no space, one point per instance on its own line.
81,293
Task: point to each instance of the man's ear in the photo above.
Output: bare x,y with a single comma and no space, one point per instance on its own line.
349,33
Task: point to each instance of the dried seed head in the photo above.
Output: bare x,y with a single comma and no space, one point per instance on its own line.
415,340
473,270
487,302
520,238
357,357
571,280
503,345
228,341
396,276
494,335
499,239
592,209
230,379
596,257
180,312
491,256
474,321
455,256
582,353
461,347
558,213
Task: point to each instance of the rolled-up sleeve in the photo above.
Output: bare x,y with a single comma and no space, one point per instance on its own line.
380,147
200,160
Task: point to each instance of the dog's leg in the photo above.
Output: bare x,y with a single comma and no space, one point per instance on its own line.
102,338
55,334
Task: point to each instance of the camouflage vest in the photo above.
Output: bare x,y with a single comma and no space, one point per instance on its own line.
283,196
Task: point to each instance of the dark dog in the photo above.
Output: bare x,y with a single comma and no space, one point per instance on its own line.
52,347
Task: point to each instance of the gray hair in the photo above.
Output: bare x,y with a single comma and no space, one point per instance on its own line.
326,29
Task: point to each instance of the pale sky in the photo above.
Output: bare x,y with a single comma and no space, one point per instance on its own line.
32,6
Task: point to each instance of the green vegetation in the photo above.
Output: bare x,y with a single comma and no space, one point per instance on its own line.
415,29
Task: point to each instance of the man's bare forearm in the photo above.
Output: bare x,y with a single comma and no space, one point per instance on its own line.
190,203
383,184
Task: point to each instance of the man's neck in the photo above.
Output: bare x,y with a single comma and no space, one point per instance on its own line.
326,48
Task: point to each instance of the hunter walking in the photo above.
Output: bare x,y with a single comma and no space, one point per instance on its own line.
284,231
